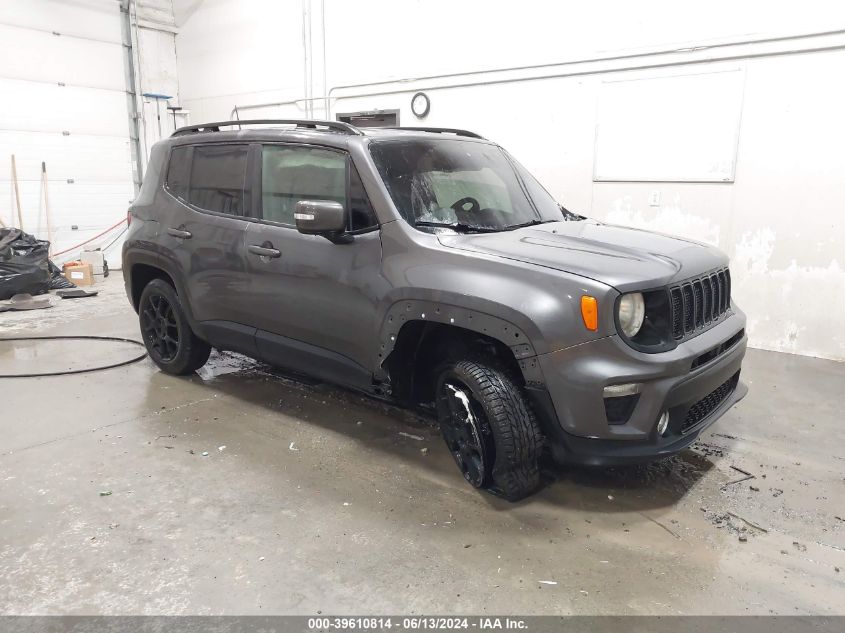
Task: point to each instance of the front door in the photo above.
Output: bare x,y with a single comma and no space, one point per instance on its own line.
314,301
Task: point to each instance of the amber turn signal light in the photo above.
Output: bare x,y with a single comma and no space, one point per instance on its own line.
590,312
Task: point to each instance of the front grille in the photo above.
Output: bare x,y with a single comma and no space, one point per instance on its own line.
709,403
697,303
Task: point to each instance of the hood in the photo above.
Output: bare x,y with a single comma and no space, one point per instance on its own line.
622,257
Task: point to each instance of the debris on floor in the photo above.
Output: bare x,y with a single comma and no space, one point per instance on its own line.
76,293
419,438
747,476
734,523
747,522
25,301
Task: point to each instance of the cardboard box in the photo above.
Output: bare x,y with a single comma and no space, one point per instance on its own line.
79,274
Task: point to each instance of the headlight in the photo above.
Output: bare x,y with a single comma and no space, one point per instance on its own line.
631,312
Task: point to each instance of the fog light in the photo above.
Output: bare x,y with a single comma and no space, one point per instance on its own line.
663,423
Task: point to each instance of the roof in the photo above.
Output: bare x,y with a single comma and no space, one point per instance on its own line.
334,133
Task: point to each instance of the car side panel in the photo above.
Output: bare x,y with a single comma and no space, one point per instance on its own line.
541,306
317,292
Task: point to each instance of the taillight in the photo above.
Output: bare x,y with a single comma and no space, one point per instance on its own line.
128,217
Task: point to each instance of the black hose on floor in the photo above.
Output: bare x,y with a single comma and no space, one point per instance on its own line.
75,371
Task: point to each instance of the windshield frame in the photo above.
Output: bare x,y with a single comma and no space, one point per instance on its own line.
513,182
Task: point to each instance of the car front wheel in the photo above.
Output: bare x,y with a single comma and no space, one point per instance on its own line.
489,428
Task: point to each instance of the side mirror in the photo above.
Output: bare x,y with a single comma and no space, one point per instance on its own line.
320,217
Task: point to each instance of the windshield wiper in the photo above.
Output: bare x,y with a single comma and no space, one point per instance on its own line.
529,223
460,227
570,215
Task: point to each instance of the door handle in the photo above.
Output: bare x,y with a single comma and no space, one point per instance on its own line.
264,251
182,235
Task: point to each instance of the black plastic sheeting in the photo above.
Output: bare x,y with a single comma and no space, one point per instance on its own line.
57,280
24,264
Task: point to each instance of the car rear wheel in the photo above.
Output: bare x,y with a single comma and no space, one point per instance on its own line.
170,342
489,428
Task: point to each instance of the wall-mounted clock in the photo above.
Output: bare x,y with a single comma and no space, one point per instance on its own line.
420,105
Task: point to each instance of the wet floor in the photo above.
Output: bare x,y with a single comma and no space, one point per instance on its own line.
241,490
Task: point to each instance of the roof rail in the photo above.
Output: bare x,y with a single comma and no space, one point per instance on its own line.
440,130
338,126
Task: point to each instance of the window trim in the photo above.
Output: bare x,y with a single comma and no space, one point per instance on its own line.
350,165
248,216
259,179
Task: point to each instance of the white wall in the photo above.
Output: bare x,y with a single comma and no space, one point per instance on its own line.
155,48
63,93
778,216
63,85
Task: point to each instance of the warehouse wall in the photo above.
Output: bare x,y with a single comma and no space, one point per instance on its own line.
735,115
63,93
66,90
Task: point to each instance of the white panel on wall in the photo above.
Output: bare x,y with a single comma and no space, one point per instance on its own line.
93,19
43,107
682,128
74,61
64,104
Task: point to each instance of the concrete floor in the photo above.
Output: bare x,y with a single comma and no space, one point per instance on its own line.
312,499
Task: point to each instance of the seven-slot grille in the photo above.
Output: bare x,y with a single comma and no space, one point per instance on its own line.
699,302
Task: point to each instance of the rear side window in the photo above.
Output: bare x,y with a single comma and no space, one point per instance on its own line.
291,174
218,174
177,172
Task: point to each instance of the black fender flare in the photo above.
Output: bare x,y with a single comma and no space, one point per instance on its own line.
502,330
133,257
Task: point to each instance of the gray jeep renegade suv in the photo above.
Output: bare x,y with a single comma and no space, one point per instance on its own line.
428,267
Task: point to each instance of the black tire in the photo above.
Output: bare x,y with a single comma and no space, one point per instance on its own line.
170,341
498,442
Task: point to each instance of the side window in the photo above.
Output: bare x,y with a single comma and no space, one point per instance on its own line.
177,172
291,174
361,214
218,173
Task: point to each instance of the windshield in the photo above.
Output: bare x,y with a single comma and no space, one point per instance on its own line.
463,185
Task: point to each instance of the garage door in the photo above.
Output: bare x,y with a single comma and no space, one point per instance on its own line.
63,102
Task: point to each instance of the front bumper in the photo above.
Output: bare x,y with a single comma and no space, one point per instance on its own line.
572,404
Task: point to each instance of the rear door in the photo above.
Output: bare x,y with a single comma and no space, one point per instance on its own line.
204,232
314,301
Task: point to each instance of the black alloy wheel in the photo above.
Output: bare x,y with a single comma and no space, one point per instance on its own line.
465,429
160,328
